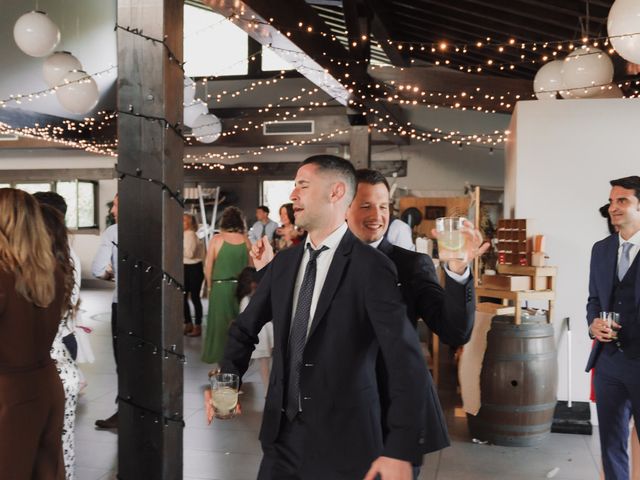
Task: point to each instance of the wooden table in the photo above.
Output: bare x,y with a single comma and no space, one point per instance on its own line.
518,297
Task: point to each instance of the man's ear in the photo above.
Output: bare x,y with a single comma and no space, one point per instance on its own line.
338,191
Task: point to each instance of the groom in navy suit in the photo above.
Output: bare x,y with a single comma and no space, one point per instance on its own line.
614,286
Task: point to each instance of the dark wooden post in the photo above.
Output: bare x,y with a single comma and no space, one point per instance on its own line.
150,371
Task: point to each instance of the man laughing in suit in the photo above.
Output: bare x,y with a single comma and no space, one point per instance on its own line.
448,312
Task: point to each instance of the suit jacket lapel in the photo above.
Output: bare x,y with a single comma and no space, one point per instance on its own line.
385,247
336,269
608,271
284,285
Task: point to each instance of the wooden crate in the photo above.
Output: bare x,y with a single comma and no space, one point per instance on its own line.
507,282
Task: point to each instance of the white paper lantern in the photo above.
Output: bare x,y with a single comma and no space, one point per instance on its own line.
624,19
35,34
80,94
610,91
585,70
193,111
57,65
548,81
189,91
207,128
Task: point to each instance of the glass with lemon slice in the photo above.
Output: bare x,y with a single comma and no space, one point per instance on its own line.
451,240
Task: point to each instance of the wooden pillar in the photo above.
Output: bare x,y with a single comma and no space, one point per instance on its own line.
360,146
150,151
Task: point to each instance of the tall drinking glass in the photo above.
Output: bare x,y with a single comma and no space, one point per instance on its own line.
451,240
611,317
224,394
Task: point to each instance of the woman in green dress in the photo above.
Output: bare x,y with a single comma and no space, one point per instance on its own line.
227,255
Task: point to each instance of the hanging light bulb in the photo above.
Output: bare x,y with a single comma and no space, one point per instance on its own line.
57,65
35,34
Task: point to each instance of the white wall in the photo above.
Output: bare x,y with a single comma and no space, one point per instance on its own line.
560,159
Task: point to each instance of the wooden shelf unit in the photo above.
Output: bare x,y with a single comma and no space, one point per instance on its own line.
548,274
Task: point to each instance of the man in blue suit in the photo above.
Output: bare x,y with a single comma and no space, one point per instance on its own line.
614,286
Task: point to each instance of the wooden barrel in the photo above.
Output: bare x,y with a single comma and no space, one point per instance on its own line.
518,383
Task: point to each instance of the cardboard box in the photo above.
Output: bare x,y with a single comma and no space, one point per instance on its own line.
506,282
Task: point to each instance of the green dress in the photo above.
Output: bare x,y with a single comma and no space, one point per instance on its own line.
223,304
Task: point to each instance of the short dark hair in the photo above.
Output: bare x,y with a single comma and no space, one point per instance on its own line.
232,220
371,177
340,166
264,208
53,199
630,183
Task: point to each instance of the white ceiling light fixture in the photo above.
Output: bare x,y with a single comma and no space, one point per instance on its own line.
548,81
36,34
79,94
585,70
193,111
207,128
623,26
57,65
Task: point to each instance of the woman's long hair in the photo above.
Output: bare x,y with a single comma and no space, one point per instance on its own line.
54,222
25,247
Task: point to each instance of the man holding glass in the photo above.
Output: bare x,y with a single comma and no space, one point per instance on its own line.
614,293
335,307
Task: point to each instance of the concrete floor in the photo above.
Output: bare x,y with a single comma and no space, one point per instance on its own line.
229,450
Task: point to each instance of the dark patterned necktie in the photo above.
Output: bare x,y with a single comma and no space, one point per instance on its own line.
298,336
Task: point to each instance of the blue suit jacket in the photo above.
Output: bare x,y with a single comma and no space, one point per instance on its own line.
604,256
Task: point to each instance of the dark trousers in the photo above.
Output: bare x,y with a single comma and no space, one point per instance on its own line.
283,459
617,386
114,332
193,277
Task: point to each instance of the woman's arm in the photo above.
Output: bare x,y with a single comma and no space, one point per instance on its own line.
212,252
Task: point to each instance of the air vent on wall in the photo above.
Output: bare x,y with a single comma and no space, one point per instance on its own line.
288,127
8,137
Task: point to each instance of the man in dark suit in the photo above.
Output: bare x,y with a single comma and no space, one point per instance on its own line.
448,312
614,286
335,307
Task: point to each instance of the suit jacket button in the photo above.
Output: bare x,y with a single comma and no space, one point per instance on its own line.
306,398
421,441
308,364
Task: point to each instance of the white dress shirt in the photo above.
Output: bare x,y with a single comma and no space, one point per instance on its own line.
322,269
256,230
635,240
400,234
107,255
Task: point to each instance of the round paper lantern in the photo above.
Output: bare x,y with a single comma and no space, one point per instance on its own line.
79,94
585,70
624,19
35,34
610,91
189,91
207,128
57,65
548,81
192,112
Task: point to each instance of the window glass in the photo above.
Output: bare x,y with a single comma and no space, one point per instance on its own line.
213,45
34,187
272,61
275,193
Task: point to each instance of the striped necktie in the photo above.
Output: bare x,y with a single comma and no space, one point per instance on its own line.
625,260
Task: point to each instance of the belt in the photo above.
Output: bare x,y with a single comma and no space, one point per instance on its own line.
233,280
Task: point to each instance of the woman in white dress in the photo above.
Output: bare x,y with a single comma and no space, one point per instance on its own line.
65,364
